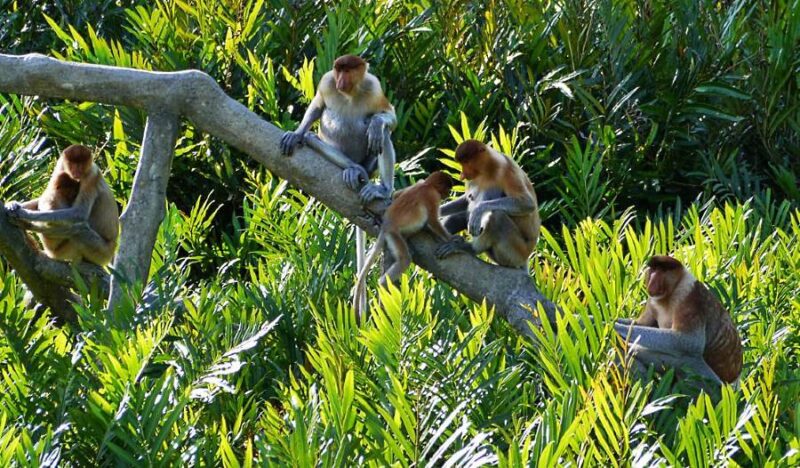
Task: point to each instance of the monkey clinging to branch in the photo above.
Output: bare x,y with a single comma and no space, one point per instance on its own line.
76,216
684,325
412,209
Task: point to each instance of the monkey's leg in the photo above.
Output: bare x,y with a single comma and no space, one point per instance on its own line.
455,222
645,357
354,175
399,250
503,240
92,246
386,171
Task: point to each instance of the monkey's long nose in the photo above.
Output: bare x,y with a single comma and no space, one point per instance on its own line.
462,176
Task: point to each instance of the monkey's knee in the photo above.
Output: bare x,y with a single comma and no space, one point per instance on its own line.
455,223
504,241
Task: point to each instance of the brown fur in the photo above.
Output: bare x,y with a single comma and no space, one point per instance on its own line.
684,305
411,210
64,192
488,169
77,154
349,62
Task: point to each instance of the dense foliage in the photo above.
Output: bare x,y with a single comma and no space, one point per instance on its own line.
647,126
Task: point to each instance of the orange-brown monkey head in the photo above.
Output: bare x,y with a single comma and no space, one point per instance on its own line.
67,187
664,274
474,158
77,161
348,71
442,182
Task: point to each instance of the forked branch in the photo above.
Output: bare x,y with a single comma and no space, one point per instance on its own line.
197,97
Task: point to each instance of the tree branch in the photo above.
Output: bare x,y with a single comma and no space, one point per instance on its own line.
48,280
197,96
145,209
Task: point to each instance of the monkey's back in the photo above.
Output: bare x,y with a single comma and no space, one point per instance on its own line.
104,218
723,351
408,210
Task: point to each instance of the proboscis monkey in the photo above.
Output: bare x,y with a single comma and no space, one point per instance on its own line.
499,208
356,121
684,325
76,216
413,209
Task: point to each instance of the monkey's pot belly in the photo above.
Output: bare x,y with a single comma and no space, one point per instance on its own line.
346,133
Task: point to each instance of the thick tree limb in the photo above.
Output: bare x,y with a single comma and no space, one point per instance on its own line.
48,280
145,209
196,96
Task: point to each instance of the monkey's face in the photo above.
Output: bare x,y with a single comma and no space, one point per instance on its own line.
663,275
76,171
347,79
468,171
661,283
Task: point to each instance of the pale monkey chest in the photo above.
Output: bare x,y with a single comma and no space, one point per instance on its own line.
663,317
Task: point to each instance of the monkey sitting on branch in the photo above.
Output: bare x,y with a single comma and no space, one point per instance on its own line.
355,127
499,209
412,209
356,121
683,325
76,216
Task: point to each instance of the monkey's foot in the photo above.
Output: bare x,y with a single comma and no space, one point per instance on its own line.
373,192
455,245
354,176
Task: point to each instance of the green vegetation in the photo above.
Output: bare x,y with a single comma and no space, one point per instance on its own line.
647,126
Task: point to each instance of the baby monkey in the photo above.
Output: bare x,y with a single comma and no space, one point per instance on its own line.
412,209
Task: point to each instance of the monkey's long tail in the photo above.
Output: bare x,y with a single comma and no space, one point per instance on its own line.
360,289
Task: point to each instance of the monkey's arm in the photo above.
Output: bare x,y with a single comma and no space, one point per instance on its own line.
436,226
77,212
458,205
514,206
290,140
665,341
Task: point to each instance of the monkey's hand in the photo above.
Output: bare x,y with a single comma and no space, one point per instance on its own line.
15,212
289,141
475,223
354,177
456,244
373,192
375,136
13,208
